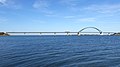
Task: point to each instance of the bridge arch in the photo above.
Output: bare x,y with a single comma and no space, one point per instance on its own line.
88,28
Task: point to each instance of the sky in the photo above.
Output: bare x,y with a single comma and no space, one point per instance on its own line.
59,15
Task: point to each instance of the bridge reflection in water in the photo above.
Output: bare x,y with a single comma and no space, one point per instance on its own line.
67,32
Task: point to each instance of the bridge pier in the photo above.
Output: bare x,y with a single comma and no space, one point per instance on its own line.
78,33
67,33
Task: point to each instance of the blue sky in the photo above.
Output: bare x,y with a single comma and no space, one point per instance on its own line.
59,15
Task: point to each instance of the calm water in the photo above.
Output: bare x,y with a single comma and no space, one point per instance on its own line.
60,51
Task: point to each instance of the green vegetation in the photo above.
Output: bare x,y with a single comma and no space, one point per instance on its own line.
3,34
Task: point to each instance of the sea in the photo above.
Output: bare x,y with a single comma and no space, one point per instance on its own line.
60,51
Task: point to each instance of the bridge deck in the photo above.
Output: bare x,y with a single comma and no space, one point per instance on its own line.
66,32
58,32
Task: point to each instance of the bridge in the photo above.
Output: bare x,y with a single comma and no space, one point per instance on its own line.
80,32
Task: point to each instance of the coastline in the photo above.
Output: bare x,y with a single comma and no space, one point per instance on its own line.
3,34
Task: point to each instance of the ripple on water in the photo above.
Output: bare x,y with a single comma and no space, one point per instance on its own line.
60,51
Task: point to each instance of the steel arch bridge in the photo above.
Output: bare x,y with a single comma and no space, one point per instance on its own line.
99,31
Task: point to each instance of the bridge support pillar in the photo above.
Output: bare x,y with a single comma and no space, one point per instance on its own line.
67,33
78,33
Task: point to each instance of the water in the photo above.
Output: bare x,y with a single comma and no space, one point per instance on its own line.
60,51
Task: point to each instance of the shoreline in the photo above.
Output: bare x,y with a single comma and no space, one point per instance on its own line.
3,34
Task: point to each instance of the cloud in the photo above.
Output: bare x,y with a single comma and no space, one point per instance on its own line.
38,21
107,8
69,17
70,2
86,20
3,20
40,4
10,4
44,6
3,2
104,8
51,15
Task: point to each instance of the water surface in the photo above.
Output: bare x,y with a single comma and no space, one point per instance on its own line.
60,51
